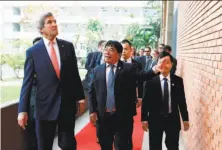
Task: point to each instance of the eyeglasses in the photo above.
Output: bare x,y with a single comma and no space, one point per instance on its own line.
146,51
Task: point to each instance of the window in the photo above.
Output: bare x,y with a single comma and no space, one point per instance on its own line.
84,8
81,46
16,11
145,9
125,10
116,9
103,9
16,27
63,8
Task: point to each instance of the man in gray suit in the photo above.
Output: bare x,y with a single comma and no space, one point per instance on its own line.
146,60
155,55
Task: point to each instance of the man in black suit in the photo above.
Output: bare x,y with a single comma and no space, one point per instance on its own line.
162,104
112,96
59,87
29,134
127,58
168,49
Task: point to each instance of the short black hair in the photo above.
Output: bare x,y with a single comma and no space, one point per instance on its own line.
162,44
101,42
36,40
126,41
148,48
116,45
165,54
167,47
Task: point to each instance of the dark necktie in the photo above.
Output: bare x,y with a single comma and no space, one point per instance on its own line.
110,103
147,63
165,98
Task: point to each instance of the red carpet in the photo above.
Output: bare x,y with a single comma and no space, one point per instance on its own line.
86,138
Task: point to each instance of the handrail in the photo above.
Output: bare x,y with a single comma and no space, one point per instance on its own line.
10,131
9,103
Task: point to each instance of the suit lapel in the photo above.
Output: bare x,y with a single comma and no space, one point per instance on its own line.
159,87
102,77
118,69
144,61
99,58
172,86
45,56
61,52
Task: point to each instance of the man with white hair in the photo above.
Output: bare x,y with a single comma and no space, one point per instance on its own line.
59,87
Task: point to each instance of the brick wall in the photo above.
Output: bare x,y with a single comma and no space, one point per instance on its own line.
199,55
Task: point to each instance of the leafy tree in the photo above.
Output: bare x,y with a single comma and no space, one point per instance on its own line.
94,33
3,61
155,31
150,34
16,61
96,27
139,36
23,43
91,41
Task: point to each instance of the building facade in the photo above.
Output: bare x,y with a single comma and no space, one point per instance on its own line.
19,21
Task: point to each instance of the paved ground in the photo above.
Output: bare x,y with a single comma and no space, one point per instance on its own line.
84,119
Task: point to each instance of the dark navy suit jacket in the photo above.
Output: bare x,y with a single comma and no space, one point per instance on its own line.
54,96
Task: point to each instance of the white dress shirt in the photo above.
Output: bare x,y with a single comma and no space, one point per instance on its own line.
48,48
129,60
102,59
169,88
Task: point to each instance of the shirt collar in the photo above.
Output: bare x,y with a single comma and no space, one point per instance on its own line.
129,60
168,77
107,65
47,42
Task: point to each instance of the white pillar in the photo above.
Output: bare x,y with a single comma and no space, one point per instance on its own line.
169,23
